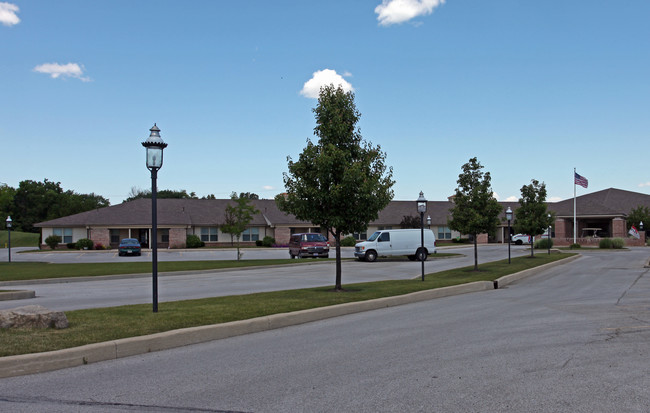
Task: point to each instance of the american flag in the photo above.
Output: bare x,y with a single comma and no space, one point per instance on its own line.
580,180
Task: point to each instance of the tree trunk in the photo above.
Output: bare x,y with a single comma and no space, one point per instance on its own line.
532,242
337,240
475,252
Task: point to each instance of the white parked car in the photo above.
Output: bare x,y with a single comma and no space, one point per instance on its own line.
520,239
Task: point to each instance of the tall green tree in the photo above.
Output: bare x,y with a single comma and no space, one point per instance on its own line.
35,202
532,217
638,215
237,218
7,195
137,193
475,210
341,182
247,195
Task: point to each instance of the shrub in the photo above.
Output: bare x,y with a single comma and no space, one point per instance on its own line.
258,243
268,241
84,243
193,241
53,241
460,240
99,246
618,243
575,246
605,243
348,241
71,245
543,244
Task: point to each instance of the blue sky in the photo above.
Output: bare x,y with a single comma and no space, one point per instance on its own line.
533,89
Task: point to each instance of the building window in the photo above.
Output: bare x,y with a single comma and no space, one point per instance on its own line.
64,233
360,236
115,236
251,234
444,233
209,234
164,235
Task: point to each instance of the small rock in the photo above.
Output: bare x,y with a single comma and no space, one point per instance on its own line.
32,316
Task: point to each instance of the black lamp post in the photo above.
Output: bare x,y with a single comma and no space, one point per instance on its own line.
155,146
8,222
422,208
509,218
548,238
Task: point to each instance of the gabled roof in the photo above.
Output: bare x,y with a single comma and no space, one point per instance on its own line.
608,202
184,212
210,212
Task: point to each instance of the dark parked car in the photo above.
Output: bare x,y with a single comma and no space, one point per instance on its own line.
309,245
129,246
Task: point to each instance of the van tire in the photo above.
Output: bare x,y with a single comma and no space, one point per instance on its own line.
421,254
371,256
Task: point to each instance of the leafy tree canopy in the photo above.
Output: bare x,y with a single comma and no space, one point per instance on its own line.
35,202
638,215
247,195
341,182
410,221
137,193
532,217
475,210
237,217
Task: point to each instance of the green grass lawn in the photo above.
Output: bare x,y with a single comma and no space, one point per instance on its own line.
19,239
104,324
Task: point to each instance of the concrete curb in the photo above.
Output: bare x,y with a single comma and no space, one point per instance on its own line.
16,295
54,360
509,279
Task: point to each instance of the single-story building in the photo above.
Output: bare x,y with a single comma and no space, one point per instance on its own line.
603,213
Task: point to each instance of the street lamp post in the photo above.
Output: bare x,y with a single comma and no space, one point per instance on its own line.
155,146
8,222
509,218
422,208
548,238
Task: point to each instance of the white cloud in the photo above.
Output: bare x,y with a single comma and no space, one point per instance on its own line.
8,15
508,199
268,188
399,11
323,78
56,70
555,199
642,184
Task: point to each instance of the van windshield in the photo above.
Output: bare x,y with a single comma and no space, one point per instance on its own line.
314,238
374,236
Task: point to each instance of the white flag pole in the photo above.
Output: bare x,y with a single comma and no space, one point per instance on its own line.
575,228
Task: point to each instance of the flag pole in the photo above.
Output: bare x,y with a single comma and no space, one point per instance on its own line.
574,206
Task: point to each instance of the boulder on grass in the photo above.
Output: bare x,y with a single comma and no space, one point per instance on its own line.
32,316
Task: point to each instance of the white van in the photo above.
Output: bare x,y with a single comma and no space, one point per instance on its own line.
390,242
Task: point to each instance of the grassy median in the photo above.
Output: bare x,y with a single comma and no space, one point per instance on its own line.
104,324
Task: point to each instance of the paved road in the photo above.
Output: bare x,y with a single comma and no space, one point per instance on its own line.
137,290
572,339
24,254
